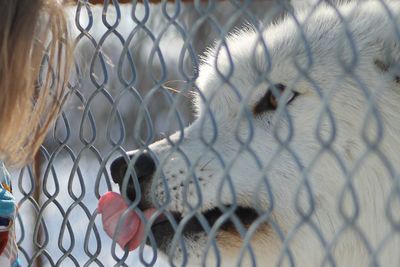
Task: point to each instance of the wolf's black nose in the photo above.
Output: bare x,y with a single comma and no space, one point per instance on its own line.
144,167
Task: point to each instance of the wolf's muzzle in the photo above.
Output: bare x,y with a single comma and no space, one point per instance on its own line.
144,167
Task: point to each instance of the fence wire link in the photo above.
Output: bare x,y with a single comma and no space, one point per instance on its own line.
134,81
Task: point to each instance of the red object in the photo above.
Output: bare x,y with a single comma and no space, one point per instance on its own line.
3,241
131,232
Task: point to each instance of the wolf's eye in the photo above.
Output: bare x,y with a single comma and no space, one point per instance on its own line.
270,102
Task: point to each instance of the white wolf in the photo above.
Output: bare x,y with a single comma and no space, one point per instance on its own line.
299,129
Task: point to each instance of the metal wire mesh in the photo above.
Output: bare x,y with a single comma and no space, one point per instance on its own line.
308,182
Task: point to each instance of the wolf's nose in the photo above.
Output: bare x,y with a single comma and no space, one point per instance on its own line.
144,167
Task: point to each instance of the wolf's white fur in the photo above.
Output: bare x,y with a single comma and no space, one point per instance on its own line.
323,62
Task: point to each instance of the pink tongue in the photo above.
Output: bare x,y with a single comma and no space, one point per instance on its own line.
131,232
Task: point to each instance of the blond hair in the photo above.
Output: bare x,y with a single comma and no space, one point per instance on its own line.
34,65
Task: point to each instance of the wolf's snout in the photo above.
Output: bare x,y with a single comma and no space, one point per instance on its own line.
144,166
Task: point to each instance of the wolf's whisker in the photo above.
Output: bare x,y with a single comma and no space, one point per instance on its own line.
174,90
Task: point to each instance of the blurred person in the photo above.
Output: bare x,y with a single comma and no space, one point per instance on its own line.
32,90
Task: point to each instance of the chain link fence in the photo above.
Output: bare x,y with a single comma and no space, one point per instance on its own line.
286,143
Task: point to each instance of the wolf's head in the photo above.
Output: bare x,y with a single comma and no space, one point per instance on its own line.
296,133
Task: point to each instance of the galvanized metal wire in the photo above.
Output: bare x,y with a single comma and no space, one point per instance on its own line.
126,56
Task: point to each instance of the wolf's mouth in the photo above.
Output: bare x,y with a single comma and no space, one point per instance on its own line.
163,230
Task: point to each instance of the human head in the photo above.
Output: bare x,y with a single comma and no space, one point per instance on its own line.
34,63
